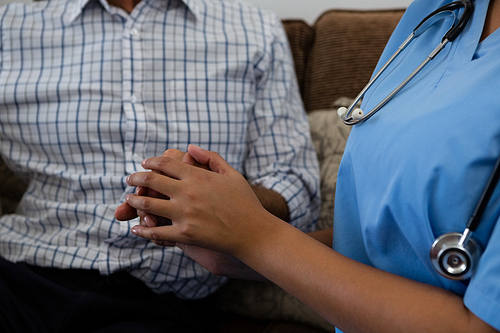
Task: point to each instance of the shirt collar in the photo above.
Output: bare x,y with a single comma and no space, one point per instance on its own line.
192,5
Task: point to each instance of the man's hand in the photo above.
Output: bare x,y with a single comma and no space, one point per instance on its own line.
125,212
220,263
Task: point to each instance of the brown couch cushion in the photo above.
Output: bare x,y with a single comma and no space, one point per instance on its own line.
346,49
301,37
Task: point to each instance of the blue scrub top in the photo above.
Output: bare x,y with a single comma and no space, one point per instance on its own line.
416,169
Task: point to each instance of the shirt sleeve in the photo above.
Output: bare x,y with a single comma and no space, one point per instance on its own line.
281,154
483,294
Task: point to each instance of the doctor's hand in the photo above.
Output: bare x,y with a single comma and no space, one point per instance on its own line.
125,212
216,210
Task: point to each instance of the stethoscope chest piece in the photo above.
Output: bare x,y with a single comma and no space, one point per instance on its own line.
452,259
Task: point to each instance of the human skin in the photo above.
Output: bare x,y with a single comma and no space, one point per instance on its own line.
216,262
217,210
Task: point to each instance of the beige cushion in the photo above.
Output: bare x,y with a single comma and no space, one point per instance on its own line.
329,135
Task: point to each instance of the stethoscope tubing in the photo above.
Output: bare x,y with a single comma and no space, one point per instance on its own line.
491,184
351,121
451,34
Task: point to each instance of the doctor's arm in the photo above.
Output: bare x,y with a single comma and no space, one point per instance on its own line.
216,262
352,296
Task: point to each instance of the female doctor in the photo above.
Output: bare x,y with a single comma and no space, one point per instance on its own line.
410,173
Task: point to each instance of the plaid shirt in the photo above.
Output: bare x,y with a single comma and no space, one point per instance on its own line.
88,91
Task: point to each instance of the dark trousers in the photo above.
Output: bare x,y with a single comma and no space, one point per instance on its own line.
35,299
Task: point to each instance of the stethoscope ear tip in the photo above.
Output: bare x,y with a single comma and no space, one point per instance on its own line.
358,114
342,112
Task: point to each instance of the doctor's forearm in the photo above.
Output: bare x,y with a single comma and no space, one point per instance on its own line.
353,296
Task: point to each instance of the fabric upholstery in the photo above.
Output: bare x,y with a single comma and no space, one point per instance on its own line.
329,135
345,49
301,38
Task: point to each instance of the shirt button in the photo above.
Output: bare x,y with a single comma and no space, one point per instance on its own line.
133,32
133,99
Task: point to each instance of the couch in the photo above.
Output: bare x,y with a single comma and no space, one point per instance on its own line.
334,59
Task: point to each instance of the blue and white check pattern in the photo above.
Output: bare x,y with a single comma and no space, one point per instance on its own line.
88,91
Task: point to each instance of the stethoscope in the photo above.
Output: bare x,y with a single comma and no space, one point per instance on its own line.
454,255
352,116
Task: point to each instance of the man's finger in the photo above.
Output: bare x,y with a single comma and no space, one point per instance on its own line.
125,212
